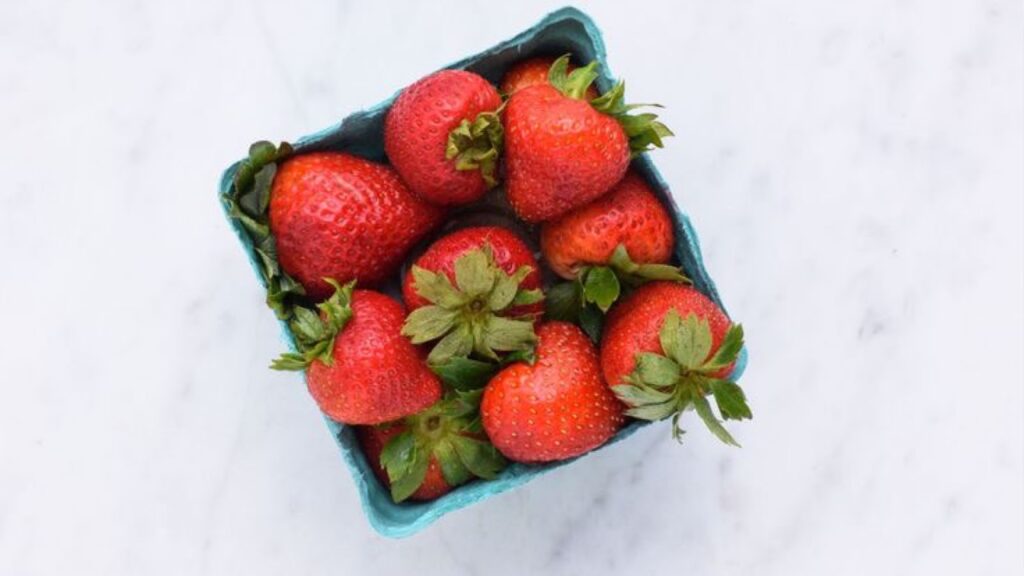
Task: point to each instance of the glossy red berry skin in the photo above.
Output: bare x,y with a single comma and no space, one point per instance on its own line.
377,374
556,409
633,324
560,153
531,72
630,215
416,134
339,216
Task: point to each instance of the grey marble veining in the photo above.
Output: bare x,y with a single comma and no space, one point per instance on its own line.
856,172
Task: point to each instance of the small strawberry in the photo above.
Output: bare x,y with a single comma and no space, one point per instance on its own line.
629,216
359,368
427,454
555,409
531,72
476,290
561,151
444,137
335,215
624,236
665,348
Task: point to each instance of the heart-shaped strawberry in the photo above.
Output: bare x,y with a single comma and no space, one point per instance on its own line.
557,408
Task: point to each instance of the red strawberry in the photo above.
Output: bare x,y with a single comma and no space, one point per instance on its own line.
475,290
629,216
666,347
508,250
335,215
561,151
532,72
557,408
425,455
373,438
359,367
443,136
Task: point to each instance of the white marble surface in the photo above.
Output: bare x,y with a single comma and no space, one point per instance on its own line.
856,170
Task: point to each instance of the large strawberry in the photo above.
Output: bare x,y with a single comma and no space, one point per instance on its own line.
665,348
427,454
531,72
557,408
444,137
475,290
562,151
359,367
339,216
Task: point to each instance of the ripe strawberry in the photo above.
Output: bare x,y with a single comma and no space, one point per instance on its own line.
622,237
444,137
666,347
531,72
427,454
561,151
372,439
629,216
335,215
475,290
557,408
359,368
508,250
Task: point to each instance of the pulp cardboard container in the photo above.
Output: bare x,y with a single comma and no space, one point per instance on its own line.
567,30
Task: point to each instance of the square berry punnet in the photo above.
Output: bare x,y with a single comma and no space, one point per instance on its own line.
565,31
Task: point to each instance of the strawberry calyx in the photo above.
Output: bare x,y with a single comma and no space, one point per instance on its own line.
477,145
315,333
587,298
602,284
571,84
466,374
473,315
644,131
247,202
449,431
663,385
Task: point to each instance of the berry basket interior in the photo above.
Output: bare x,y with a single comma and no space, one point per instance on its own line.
565,31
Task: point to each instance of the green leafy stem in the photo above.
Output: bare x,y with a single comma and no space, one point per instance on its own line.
450,432
663,385
586,299
477,145
315,333
247,202
475,314
645,131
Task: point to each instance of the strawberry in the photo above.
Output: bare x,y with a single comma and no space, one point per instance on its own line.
562,151
424,456
624,236
476,291
359,368
665,348
335,215
629,216
372,439
531,72
443,136
555,409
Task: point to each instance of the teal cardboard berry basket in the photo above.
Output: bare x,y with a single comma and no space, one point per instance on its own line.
566,31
